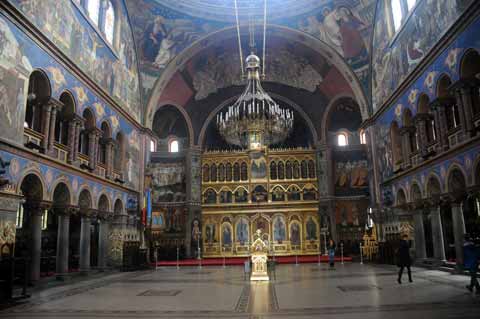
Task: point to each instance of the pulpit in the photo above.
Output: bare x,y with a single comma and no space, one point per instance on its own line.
259,258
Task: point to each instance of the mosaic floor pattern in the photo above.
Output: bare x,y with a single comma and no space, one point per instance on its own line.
303,291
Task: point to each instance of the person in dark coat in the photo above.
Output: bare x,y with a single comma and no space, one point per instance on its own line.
470,258
331,252
403,259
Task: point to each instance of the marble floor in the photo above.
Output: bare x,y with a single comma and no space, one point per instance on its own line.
303,291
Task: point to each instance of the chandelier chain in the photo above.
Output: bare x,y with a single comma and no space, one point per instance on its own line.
239,40
264,38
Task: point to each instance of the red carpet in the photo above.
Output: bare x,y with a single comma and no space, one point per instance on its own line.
240,260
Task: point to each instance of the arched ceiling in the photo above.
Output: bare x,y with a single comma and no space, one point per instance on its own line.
168,33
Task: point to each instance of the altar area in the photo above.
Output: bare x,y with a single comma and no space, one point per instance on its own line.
272,190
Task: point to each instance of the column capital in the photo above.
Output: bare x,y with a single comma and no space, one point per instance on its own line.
37,207
407,129
465,84
54,104
422,117
442,102
455,197
87,212
65,210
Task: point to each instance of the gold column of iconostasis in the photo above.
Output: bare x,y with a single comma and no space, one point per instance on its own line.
272,190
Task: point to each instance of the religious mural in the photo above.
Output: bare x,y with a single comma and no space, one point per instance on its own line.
279,229
162,32
114,69
15,46
448,62
168,182
351,173
394,57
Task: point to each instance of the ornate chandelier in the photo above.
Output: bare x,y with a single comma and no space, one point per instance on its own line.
255,119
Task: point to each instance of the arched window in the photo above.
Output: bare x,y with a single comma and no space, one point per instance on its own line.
304,169
363,137
470,69
311,169
83,145
453,117
153,146
38,94
397,13
206,173
236,172
173,146
396,143
109,27
281,170
273,170
93,10
102,145
221,173
288,170
63,117
244,171
119,153
296,170
213,173
342,139
228,172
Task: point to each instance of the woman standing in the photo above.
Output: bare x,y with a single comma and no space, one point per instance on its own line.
331,252
403,259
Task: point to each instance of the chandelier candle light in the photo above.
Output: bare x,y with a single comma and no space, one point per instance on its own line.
255,119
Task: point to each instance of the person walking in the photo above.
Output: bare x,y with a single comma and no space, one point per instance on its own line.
331,253
403,259
470,258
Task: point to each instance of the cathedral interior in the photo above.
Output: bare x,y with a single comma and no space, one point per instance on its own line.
154,142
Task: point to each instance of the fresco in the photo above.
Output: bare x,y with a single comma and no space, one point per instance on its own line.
350,213
162,32
448,62
15,47
168,181
51,176
394,58
351,173
115,70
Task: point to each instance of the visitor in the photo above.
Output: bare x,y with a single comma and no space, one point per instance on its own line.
403,259
470,258
331,253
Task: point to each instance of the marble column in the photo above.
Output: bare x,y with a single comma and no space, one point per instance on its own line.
464,92
421,123
72,136
420,247
46,112
406,145
194,182
78,130
36,213
104,228
441,128
437,234
109,158
63,236
51,134
92,149
458,232
85,242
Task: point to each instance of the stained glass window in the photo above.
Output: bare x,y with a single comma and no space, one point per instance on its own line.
93,9
397,14
110,22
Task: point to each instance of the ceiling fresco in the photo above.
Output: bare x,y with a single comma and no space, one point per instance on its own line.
164,30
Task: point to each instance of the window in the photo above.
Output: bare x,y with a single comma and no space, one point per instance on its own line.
397,14
411,4
342,139
173,146
45,219
109,22
19,221
152,146
363,137
93,9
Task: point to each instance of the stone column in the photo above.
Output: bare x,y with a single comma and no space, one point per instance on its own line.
420,247
421,123
458,232
109,158
72,143
437,234
92,148
85,241
464,91
406,145
55,107
78,130
103,231
441,128
63,236
36,212
46,112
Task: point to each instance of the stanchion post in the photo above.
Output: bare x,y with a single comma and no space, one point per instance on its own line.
199,259
178,258
296,260
341,251
361,254
223,249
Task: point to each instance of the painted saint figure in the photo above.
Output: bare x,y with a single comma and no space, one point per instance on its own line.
311,229
279,229
242,231
294,234
227,235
